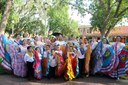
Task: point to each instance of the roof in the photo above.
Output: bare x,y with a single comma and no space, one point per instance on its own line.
121,30
117,31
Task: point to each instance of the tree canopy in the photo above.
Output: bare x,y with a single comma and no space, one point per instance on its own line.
33,17
59,20
105,13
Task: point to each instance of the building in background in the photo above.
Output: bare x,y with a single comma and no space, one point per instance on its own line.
117,31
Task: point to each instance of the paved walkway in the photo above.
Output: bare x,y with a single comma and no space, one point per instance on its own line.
12,80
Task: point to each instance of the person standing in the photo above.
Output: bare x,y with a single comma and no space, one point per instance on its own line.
52,65
37,63
81,58
87,59
46,60
121,60
59,61
17,62
29,59
17,41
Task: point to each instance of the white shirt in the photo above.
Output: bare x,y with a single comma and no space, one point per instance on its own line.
40,56
53,62
75,42
23,49
93,45
60,42
45,54
39,43
60,52
85,46
120,46
28,58
105,46
80,56
17,42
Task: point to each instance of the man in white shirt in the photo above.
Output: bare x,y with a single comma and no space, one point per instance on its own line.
81,58
29,59
52,64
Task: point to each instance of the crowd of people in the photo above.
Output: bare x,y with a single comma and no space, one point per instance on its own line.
63,56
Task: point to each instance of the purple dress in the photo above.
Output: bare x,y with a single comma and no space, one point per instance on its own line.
18,64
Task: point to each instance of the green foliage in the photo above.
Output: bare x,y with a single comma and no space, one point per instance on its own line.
2,7
22,17
59,20
107,13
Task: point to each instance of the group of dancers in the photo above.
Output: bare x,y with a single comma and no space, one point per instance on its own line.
60,56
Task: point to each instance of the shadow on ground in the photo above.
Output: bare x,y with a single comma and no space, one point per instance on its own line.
93,80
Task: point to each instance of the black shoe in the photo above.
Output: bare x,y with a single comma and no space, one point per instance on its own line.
29,78
48,77
80,76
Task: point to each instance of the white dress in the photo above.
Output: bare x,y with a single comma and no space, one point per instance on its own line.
119,45
23,49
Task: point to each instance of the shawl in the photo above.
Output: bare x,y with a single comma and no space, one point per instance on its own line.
37,60
97,58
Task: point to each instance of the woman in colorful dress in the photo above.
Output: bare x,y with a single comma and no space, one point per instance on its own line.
87,55
4,54
103,58
62,44
46,60
37,64
59,60
18,64
23,48
108,58
71,63
121,53
17,41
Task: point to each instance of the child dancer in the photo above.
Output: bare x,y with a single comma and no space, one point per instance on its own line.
29,59
46,60
37,64
52,65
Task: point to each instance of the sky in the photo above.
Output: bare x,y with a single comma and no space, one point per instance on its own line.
86,19
77,17
81,20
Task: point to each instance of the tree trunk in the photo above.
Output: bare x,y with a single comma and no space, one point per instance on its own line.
5,16
102,32
107,33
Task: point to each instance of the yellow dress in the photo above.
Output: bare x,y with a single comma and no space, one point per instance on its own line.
87,58
69,70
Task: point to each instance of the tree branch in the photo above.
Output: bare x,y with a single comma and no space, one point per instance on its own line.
81,8
122,11
102,6
109,5
111,26
118,7
22,7
101,3
108,14
114,3
5,16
